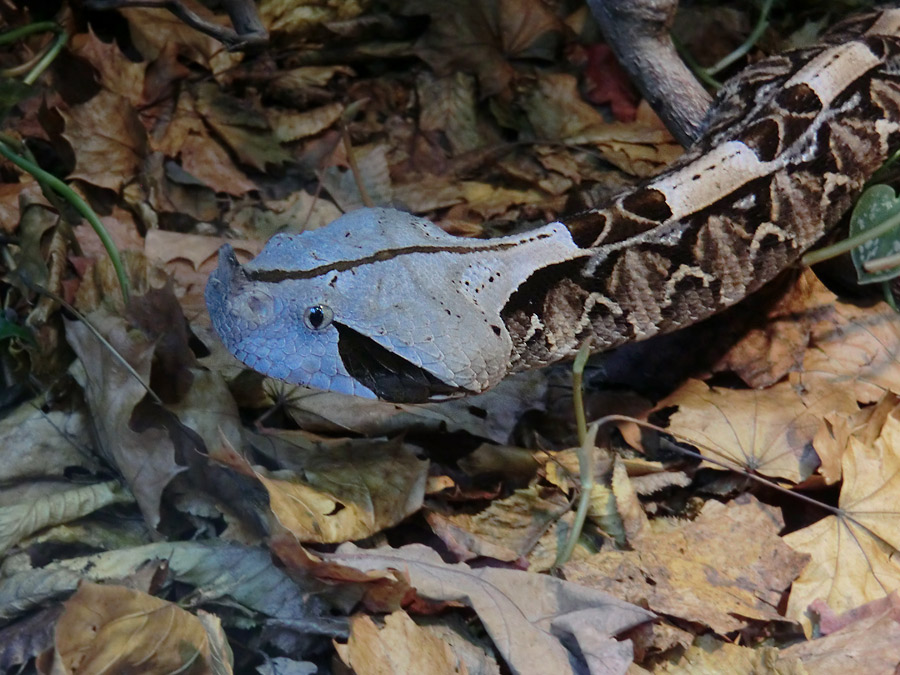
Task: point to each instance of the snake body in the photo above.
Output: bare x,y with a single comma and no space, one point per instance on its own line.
381,303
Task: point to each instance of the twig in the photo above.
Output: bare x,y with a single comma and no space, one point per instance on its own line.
248,30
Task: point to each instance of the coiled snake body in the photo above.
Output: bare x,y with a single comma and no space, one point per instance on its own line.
381,303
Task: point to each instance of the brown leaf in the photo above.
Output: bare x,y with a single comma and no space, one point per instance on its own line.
400,647
856,349
868,643
115,629
242,125
187,138
768,431
709,656
121,228
153,31
854,552
350,494
724,568
520,611
833,437
117,73
766,354
493,32
557,112
146,459
506,530
189,258
290,126
297,19
108,139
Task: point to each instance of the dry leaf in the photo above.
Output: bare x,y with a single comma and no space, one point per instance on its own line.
115,629
506,530
763,356
519,610
399,648
107,138
855,349
768,432
117,73
709,656
493,31
146,458
854,553
721,570
345,496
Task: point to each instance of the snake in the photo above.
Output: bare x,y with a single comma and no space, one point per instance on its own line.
384,304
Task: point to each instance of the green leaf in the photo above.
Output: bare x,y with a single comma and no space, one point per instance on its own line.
8,330
875,207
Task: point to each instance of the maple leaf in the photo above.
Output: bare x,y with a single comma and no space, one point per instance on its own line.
108,139
117,74
854,552
769,432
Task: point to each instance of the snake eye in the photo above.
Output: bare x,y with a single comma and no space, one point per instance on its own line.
318,317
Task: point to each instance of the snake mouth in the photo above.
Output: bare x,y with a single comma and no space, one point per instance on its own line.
390,376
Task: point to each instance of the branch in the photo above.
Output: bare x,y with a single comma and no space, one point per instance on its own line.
248,30
638,32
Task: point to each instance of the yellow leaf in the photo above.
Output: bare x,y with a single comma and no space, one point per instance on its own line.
400,647
854,552
112,629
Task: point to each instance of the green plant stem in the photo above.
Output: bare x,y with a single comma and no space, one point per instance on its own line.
80,205
578,388
761,24
585,448
847,245
889,295
58,43
15,34
699,71
40,27
586,471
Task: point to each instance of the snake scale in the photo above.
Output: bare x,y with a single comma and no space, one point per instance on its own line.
383,304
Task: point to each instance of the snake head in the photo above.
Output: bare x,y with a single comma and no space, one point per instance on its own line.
377,304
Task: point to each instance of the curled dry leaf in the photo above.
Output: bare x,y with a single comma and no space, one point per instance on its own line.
854,552
146,458
344,496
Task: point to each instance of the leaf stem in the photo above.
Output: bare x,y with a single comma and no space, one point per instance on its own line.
761,24
586,474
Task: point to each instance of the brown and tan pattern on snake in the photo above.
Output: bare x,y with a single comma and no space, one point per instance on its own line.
790,144
380,303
